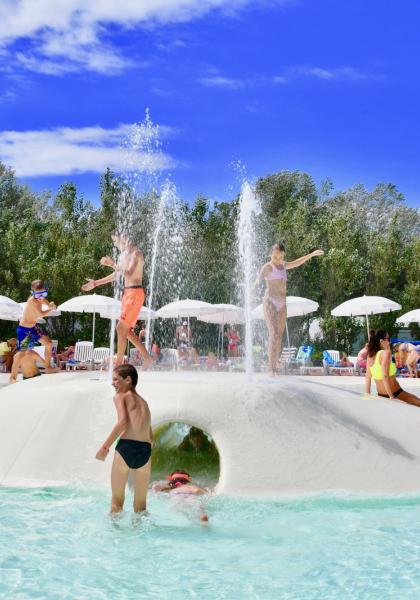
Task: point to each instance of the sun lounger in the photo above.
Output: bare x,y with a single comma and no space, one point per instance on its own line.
169,359
331,362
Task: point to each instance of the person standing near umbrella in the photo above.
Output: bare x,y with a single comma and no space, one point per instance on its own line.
234,340
275,312
130,266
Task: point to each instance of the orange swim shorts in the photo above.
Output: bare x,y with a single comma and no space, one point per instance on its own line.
131,303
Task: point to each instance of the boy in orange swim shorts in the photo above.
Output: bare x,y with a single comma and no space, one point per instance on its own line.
130,266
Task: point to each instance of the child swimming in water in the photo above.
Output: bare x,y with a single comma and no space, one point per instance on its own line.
180,487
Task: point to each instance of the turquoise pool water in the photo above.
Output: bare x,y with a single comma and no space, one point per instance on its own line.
61,544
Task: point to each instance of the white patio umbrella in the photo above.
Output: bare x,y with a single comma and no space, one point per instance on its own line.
221,314
182,308
296,307
91,303
9,316
8,306
413,316
365,306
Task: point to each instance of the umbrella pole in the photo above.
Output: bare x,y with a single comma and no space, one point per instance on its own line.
218,342
287,334
223,335
93,338
367,325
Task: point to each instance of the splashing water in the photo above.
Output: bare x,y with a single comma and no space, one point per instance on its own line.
248,210
166,207
143,152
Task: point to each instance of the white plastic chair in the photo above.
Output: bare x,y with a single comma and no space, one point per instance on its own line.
169,358
83,354
287,355
134,357
100,357
40,350
335,355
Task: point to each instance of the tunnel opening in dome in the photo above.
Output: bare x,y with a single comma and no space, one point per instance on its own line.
180,445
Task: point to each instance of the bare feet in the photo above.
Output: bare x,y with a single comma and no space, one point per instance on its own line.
50,370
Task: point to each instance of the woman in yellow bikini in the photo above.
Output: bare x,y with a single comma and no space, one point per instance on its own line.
383,371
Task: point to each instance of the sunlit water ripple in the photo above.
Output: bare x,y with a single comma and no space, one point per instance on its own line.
62,543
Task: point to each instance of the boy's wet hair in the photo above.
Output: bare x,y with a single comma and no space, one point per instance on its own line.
38,285
127,370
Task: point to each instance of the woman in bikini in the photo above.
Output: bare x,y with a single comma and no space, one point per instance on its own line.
275,313
383,370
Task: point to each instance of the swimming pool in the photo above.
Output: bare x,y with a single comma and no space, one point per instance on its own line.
59,543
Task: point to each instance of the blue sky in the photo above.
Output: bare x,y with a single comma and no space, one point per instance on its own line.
325,86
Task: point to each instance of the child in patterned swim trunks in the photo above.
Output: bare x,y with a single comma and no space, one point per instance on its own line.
28,328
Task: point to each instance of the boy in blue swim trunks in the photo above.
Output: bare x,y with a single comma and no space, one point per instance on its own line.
28,328
133,450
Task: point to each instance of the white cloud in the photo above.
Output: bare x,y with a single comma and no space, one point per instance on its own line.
73,30
219,81
338,73
344,73
7,96
65,151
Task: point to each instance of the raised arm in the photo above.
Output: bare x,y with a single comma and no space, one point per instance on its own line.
303,259
118,429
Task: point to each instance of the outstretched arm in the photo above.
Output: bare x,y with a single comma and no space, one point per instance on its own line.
303,259
161,487
91,284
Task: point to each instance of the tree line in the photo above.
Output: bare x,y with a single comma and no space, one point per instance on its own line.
370,238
